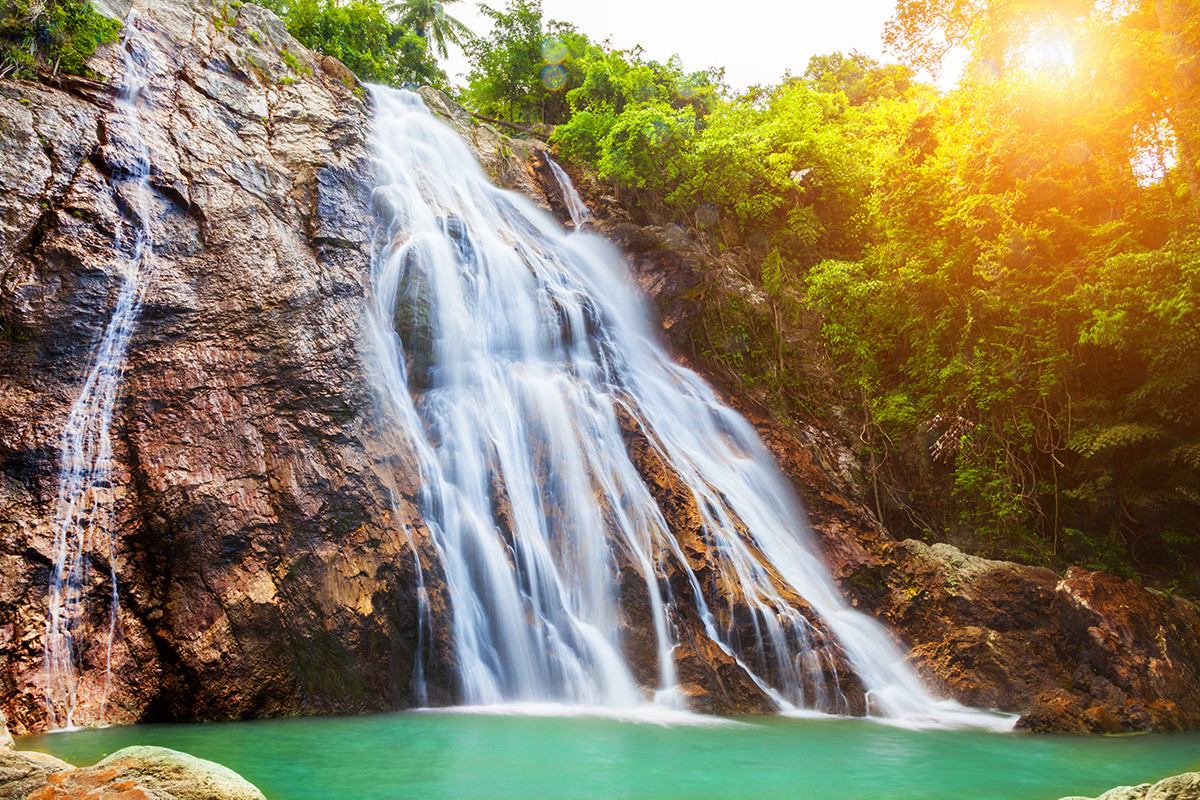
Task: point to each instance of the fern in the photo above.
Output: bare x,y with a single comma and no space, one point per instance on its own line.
1089,443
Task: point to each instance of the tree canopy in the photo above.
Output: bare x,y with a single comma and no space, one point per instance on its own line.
361,35
1138,60
429,20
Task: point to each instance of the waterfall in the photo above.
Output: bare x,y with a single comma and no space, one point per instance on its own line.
580,215
521,362
83,514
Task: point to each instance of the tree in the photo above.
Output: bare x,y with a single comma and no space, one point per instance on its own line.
861,78
429,20
360,35
58,34
645,146
506,65
1179,21
1140,59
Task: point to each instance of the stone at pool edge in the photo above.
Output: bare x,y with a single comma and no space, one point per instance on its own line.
22,773
1177,787
134,773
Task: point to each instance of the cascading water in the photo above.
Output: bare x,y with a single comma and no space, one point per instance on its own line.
83,515
521,362
580,215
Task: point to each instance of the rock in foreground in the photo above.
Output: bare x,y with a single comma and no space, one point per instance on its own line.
135,773
150,772
1177,787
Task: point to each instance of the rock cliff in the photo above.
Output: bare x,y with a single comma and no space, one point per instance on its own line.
260,534
264,517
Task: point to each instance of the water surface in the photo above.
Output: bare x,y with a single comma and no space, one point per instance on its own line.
451,755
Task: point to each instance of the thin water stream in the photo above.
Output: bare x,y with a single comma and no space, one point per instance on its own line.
83,515
580,213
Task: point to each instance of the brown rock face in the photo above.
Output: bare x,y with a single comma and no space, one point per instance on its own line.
23,773
262,525
714,681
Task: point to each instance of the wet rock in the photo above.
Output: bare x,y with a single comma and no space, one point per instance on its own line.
510,162
713,680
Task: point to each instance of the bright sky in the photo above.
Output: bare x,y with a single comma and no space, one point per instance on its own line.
755,40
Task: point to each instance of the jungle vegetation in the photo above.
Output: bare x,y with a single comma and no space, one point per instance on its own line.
1006,276
54,35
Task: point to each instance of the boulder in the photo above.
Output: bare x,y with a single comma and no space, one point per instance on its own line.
1177,787
134,773
22,773
149,773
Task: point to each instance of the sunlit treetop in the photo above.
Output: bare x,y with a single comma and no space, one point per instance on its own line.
1135,63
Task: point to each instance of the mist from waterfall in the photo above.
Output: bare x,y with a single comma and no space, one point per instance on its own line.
521,361
83,515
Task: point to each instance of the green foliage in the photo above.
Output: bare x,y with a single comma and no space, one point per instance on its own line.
645,144
59,34
505,78
532,71
294,64
429,20
1018,296
860,78
582,137
360,35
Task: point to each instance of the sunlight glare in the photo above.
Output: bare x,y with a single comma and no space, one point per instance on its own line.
1047,52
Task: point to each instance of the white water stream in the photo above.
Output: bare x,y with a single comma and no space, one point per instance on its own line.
580,214
83,515
508,350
